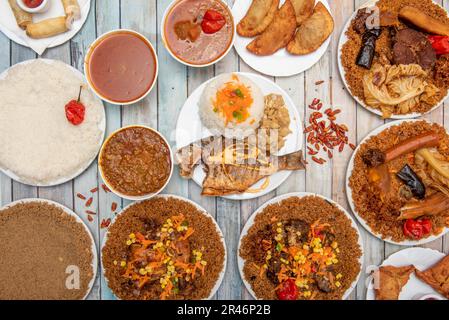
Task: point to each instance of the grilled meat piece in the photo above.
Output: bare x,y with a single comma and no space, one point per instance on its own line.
413,47
373,158
325,282
297,231
274,266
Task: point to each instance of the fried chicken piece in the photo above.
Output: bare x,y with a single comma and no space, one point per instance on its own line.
437,276
278,33
391,281
258,18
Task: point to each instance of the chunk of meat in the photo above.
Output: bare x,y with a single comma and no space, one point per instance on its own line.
359,24
183,250
297,231
325,281
413,47
274,266
329,237
373,157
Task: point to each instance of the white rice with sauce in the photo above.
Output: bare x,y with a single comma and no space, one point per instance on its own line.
38,144
216,122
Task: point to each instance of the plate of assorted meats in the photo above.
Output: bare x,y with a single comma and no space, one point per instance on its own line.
239,136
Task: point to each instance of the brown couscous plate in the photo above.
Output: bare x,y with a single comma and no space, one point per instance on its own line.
349,193
308,207
342,41
169,238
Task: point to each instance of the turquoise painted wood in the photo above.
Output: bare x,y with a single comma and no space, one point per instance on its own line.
160,109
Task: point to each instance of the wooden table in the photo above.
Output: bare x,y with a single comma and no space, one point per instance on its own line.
160,110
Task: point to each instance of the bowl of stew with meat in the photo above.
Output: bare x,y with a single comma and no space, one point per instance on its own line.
136,162
198,33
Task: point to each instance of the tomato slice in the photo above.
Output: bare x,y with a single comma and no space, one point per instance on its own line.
288,290
212,22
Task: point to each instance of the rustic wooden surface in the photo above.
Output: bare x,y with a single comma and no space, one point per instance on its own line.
160,110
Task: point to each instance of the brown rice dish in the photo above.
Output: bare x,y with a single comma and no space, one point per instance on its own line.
400,181
46,254
301,249
396,57
163,248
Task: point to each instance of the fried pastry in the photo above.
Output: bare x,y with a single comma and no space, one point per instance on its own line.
303,9
391,281
278,34
258,18
313,32
437,276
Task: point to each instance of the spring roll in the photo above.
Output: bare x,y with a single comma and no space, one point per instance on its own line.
23,18
47,28
72,10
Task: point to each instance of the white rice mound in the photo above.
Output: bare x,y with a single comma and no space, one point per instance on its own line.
216,123
39,146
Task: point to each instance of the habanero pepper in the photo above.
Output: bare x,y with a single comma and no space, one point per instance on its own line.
75,110
212,22
288,290
440,44
417,229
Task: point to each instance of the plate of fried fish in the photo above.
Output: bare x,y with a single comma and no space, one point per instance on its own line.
411,274
282,37
239,136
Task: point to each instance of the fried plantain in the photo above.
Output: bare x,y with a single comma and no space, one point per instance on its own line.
303,9
258,18
278,34
313,32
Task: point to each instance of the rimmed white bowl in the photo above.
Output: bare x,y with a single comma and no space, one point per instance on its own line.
95,44
128,197
164,41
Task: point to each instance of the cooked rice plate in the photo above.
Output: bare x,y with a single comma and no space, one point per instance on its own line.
231,105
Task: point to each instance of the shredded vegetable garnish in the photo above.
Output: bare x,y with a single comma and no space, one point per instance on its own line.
167,258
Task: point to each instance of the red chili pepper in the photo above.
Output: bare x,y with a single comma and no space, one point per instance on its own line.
212,22
75,111
416,229
440,44
288,290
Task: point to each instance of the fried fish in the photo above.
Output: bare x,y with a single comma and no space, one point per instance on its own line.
391,281
277,34
258,18
232,167
303,9
437,276
313,32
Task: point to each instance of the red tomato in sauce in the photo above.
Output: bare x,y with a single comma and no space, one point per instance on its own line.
33,3
288,290
212,22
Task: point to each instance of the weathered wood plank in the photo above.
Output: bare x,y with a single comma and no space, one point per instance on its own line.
107,16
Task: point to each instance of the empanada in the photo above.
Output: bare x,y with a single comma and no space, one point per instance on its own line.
258,18
303,9
278,34
391,280
437,276
313,32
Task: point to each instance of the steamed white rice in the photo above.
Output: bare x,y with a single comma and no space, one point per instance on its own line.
216,123
37,142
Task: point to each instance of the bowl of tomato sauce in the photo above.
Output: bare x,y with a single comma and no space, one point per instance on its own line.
34,6
121,67
198,33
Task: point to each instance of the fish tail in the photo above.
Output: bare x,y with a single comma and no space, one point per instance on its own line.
292,161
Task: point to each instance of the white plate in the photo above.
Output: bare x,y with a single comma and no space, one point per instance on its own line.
189,129
8,24
250,222
422,259
78,219
281,63
342,41
102,127
351,202
223,271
